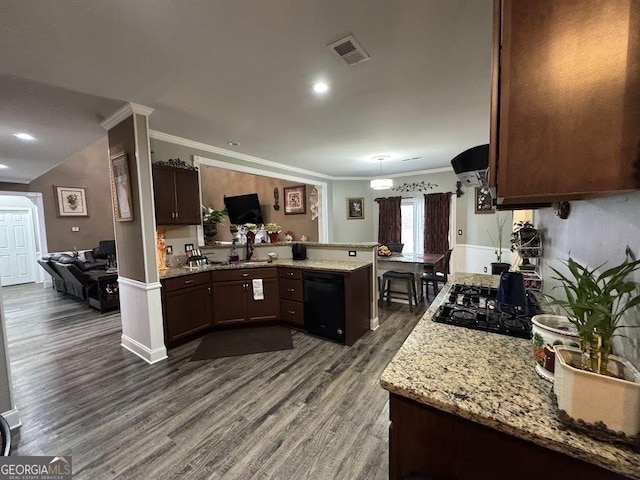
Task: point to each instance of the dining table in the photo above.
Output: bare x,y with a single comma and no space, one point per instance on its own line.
413,262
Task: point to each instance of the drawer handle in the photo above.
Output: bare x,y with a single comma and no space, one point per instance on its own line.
245,274
290,274
187,282
292,312
291,289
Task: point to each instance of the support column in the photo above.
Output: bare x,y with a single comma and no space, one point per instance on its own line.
139,285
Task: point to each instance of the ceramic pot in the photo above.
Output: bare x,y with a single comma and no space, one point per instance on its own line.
273,237
547,331
612,399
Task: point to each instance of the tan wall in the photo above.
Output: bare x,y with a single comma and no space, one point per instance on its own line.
218,182
87,168
128,234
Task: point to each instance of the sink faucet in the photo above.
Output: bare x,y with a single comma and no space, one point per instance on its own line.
249,250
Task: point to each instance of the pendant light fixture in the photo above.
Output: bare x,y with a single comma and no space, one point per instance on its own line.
381,183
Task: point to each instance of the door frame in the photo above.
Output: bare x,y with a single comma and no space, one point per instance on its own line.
33,252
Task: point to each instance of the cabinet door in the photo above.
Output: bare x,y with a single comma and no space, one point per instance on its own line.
569,91
164,196
229,304
267,309
187,312
187,197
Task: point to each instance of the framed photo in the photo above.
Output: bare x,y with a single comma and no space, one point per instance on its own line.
484,202
295,199
168,250
71,201
121,187
355,208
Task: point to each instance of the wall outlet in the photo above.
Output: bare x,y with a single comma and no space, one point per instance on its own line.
459,231
352,253
75,229
485,269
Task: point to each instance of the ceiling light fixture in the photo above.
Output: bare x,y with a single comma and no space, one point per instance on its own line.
3,166
381,183
24,136
233,144
320,87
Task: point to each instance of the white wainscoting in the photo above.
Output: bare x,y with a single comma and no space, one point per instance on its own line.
141,312
475,258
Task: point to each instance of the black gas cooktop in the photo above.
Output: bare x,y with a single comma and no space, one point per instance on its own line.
475,306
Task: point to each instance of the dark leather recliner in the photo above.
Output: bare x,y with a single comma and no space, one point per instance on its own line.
56,279
72,270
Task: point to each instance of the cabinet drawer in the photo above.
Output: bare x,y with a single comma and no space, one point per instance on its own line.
292,312
290,273
243,274
185,281
291,289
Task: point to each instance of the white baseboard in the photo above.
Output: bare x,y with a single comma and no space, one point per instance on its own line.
13,418
149,356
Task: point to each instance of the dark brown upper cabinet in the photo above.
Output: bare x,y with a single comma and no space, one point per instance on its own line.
565,107
177,196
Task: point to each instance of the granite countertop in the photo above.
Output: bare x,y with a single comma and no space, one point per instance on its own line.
322,265
308,244
490,379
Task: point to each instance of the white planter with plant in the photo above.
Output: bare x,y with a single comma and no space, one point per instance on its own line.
595,303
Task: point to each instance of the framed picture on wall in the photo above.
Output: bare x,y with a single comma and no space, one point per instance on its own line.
121,188
484,202
295,199
355,208
71,201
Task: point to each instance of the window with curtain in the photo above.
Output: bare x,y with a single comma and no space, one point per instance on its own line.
412,224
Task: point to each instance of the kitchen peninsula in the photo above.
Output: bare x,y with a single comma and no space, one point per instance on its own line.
223,295
467,404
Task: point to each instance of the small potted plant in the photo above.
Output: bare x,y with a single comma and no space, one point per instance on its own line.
499,266
210,220
273,229
595,303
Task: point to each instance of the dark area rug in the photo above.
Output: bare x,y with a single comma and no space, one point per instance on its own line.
243,341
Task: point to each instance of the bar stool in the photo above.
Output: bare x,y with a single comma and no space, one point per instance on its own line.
409,280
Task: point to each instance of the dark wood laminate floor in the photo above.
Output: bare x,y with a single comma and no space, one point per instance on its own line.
315,412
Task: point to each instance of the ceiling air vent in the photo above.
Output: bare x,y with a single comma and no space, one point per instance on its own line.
349,51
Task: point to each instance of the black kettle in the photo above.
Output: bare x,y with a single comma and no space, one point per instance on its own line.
511,290
299,251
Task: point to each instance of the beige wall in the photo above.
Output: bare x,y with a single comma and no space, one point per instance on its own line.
218,182
87,168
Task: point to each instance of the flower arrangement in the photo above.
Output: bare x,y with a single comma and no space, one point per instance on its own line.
251,227
272,228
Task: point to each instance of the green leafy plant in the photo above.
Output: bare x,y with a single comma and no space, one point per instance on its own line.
272,228
209,215
251,227
595,304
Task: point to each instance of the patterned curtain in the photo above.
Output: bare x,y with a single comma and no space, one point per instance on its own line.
436,222
389,223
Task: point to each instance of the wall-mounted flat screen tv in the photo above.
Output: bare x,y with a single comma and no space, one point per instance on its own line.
244,209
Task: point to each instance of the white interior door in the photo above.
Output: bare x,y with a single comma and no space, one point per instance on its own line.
17,247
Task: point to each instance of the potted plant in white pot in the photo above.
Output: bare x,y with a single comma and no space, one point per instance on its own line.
591,384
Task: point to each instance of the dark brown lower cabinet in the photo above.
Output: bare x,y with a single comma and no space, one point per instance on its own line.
442,446
187,308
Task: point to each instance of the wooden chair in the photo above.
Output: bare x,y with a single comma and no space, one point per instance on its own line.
408,278
433,277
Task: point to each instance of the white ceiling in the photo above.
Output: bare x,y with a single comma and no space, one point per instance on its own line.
242,70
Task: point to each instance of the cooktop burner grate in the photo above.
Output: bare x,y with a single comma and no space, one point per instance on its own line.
476,307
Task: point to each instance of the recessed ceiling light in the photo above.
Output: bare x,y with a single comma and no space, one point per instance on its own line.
381,158
24,136
3,166
233,144
320,87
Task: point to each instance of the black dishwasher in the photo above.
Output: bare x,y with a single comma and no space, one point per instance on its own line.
324,305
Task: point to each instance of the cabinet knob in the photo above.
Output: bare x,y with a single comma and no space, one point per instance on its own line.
245,274
292,312
290,274
209,290
291,289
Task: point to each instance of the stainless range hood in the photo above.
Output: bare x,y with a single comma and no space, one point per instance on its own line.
472,166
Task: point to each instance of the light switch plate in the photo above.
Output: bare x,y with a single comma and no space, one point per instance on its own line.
459,231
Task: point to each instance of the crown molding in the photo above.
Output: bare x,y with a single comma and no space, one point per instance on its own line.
185,142
124,112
